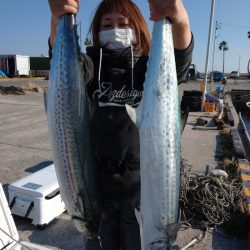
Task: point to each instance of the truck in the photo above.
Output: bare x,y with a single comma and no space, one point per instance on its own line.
39,66
193,73
15,65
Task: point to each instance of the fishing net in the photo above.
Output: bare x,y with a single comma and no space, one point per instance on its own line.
11,90
207,201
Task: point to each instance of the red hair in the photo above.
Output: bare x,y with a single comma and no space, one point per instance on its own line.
130,10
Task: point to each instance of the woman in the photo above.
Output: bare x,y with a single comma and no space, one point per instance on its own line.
115,68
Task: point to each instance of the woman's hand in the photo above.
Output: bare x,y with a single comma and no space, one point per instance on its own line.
166,8
59,8
176,12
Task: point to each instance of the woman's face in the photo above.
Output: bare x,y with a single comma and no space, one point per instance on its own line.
114,20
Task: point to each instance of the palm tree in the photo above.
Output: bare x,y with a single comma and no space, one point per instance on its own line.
248,66
87,42
224,47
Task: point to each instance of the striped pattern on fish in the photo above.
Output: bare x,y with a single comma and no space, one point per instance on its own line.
158,121
68,121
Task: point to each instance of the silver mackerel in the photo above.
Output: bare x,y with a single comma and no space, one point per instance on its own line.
158,121
68,121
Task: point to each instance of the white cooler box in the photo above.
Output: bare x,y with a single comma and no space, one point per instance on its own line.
37,197
9,238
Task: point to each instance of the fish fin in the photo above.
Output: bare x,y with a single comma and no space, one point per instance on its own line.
172,230
139,220
45,100
138,216
184,117
132,112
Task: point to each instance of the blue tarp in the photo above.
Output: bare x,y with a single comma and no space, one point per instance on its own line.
2,73
218,89
211,98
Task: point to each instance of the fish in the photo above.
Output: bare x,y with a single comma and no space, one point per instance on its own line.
68,115
157,118
184,117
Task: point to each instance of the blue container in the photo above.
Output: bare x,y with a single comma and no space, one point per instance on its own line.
218,88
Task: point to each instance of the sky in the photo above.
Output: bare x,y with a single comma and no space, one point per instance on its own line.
25,28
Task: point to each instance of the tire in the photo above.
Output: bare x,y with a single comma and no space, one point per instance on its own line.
192,93
190,99
194,106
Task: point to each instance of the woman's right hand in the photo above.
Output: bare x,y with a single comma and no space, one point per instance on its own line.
59,8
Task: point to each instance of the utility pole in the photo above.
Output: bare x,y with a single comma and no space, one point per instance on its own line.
239,63
208,52
217,27
248,67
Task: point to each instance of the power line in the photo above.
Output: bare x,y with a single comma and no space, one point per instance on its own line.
236,25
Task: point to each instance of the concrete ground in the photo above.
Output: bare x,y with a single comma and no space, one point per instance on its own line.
25,148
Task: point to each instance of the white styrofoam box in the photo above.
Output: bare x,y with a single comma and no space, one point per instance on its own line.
37,197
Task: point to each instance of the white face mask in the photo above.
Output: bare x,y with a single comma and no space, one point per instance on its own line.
117,38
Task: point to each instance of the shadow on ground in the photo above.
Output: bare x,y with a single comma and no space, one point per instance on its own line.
220,241
38,167
60,233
